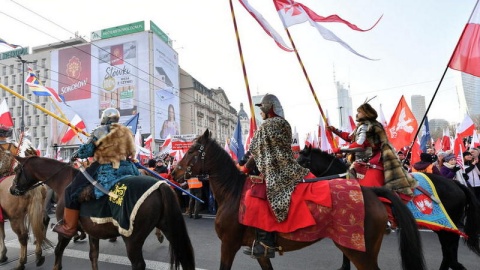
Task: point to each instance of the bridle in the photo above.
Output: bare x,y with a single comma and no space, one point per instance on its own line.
188,170
308,163
21,175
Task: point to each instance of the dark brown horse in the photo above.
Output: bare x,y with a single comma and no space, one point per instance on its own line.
23,211
206,158
457,200
159,210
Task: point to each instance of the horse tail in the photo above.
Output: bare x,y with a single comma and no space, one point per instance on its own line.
410,242
173,226
472,220
37,216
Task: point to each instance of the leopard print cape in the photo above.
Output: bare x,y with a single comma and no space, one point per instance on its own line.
271,149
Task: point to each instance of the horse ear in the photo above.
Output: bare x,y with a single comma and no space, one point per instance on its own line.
206,134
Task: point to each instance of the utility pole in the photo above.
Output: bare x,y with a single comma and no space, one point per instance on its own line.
341,117
22,123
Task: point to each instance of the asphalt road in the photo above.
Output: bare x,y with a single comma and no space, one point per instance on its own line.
322,255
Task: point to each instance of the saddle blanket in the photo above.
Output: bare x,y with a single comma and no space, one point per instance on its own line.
428,213
131,192
325,209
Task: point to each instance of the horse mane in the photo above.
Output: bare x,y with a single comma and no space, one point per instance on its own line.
230,179
323,159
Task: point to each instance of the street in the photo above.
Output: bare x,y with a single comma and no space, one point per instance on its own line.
322,255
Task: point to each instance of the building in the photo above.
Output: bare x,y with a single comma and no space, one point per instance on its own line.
136,72
471,92
344,104
244,123
418,107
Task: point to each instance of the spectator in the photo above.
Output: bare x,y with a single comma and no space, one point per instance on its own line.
450,167
425,165
472,172
161,168
405,163
195,187
431,152
151,164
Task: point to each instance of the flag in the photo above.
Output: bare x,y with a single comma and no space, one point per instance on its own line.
438,145
5,115
382,117
251,131
475,141
40,90
167,145
352,123
402,126
325,144
47,152
148,144
426,137
415,153
227,149
76,122
266,26
292,13
315,140
467,127
446,145
308,140
39,149
139,150
236,143
295,143
132,123
9,44
465,58
458,150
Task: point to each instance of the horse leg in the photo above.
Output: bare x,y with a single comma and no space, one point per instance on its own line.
449,242
265,263
159,235
134,245
345,263
94,251
228,251
3,248
59,249
19,228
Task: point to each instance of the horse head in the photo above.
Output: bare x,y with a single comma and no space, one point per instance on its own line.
23,181
193,162
304,156
320,163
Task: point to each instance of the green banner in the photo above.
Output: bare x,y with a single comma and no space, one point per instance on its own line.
117,31
13,53
155,29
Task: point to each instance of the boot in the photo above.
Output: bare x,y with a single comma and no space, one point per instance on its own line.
263,246
68,228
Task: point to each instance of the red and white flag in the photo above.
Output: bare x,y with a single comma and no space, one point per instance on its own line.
402,126
5,116
308,140
352,124
415,152
292,13
251,131
315,140
76,122
325,144
467,126
475,141
446,145
438,145
466,56
266,26
39,149
148,144
295,143
382,117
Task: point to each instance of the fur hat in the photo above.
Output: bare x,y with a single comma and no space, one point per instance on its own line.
426,157
368,111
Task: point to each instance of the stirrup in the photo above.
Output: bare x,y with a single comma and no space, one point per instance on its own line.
268,252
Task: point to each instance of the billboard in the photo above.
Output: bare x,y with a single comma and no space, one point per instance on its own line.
107,73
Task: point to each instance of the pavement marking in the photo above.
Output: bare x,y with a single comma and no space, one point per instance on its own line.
108,258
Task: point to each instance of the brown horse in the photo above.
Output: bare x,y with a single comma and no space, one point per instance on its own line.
159,210
207,159
22,211
457,199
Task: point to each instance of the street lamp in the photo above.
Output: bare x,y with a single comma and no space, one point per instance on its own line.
22,123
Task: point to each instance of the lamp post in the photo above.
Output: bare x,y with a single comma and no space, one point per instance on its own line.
341,122
22,123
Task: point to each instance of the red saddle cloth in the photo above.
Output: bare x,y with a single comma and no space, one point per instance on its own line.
325,209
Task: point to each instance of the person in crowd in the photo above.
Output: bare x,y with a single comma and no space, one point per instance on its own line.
160,166
151,164
271,149
426,165
431,152
112,146
450,167
370,144
170,126
472,172
7,150
405,162
194,205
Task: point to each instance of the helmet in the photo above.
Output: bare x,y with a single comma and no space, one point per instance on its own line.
271,103
109,116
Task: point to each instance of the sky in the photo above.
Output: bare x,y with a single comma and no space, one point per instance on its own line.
413,43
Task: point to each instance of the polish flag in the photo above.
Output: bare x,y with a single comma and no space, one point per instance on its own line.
438,145
352,124
475,141
5,116
415,152
465,58
148,144
446,145
251,131
315,140
76,122
325,144
382,117
39,149
295,143
467,127
292,13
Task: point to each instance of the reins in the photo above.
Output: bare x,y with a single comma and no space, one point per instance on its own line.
39,183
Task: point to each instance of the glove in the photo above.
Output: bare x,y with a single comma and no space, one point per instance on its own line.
74,157
456,168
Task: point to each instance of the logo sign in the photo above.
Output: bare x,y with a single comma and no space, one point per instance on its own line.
117,31
183,142
13,53
155,29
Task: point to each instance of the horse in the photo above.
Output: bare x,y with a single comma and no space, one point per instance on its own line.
457,200
207,159
160,209
24,212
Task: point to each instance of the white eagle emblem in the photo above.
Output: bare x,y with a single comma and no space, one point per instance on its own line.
403,123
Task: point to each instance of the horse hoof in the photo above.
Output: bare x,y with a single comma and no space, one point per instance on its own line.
160,238
4,259
40,261
21,267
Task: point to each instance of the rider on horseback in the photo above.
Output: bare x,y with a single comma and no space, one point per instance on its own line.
111,144
272,152
7,150
376,163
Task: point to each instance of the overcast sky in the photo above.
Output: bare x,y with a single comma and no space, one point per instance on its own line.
413,42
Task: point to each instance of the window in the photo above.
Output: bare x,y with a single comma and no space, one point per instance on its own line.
42,64
37,120
5,80
43,131
19,110
29,121
45,119
34,133
46,74
11,69
19,68
35,64
4,70
14,101
14,79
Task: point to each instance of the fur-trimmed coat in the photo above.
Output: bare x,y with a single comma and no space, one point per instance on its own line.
396,177
117,145
272,152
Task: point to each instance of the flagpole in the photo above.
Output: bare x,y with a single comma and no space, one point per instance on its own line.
245,77
440,82
66,122
308,81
